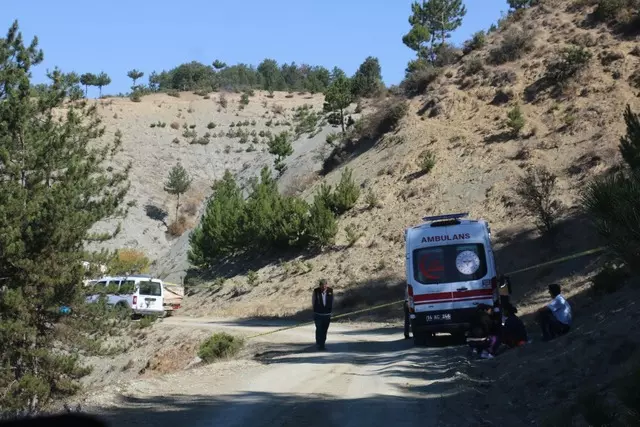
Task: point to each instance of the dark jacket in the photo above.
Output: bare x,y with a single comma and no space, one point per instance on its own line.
513,331
483,325
318,307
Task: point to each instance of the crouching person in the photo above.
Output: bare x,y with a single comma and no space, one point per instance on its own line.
322,305
555,318
484,335
514,333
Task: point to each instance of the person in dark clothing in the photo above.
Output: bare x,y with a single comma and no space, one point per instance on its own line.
485,329
407,320
514,333
322,301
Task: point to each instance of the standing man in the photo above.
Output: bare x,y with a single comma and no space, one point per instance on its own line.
322,304
407,321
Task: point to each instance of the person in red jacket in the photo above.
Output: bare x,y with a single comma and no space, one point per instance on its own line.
322,301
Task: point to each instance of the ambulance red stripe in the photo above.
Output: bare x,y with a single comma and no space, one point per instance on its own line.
455,296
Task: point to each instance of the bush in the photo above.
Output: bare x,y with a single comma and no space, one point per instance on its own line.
426,161
211,125
220,346
417,82
609,280
536,191
477,41
332,138
173,93
353,234
607,10
244,99
568,64
177,228
515,120
222,101
516,43
371,200
175,125
128,261
385,119
473,66
252,278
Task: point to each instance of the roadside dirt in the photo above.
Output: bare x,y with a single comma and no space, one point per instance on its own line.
369,376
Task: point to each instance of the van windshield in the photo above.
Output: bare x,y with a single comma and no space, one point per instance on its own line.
150,288
449,263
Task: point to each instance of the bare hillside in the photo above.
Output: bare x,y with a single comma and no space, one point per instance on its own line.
206,138
574,132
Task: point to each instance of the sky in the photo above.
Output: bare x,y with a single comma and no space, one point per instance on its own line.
116,36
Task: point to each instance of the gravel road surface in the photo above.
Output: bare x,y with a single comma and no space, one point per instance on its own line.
368,376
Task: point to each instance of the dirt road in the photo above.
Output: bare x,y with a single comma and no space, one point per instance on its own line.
368,376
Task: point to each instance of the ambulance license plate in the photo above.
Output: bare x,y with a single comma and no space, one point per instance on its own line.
438,317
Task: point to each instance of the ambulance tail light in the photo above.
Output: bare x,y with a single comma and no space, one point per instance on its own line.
135,300
412,306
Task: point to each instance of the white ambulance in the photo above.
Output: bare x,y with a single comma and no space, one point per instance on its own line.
450,269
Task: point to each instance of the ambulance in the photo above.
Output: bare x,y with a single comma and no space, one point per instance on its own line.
450,269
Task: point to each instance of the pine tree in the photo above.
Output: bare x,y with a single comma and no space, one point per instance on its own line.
53,189
177,183
280,146
135,75
367,81
630,143
88,79
434,19
102,80
338,97
219,65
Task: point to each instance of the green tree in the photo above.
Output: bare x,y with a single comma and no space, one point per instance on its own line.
177,183
367,81
519,4
433,20
221,230
280,146
338,97
135,75
102,80
219,65
88,79
321,225
630,143
271,75
53,189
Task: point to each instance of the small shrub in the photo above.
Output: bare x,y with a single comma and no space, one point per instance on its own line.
175,125
222,100
244,139
634,79
220,346
346,194
607,10
173,93
176,140
152,125
536,190
244,99
211,125
135,97
187,133
332,138
177,228
516,43
417,82
162,124
515,120
251,148
426,161
269,123
385,119
477,41
192,126
569,63
252,278
353,234
371,200
146,321
473,66
609,280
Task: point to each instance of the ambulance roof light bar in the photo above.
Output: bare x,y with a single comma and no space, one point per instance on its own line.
445,217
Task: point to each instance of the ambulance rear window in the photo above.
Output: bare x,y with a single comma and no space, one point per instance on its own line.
449,263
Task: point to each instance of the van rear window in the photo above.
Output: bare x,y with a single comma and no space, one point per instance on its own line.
150,288
449,264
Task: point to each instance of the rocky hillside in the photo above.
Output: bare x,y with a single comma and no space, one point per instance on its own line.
572,103
207,135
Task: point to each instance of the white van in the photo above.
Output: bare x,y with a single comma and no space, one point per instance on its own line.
450,269
143,295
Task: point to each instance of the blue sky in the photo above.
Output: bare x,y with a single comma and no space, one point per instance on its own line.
149,35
